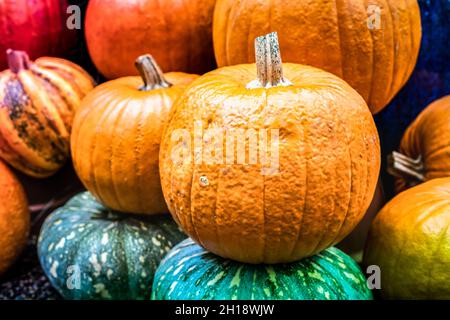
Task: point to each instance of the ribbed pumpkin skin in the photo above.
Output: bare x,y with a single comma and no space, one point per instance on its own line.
37,106
14,218
115,142
177,33
329,162
38,27
331,35
188,272
428,137
410,241
116,254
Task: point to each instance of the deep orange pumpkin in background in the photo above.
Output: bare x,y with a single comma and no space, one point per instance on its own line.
425,147
37,104
14,218
116,137
329,157
178,33
331,35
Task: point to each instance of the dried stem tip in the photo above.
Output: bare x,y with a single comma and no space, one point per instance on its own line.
412,170
268,63
151,73
17,60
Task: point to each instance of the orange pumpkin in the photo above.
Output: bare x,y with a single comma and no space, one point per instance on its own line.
424,149
178,33
14,218
409,241
116,137
373,45
299,188
37,103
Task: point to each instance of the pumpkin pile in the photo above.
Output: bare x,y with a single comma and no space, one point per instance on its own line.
229,183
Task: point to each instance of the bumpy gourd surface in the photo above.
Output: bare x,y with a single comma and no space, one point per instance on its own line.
410,241
114,255
329,161
190,272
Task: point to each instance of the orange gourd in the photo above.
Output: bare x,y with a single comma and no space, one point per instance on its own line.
178,33
116,136
269,200
14,218
37,103
409,241
424,148
373,45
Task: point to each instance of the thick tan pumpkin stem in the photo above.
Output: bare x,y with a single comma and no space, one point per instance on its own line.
151,73
412,170
17,60
268,63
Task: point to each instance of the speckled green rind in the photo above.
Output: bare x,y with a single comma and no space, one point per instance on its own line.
114,254
188,272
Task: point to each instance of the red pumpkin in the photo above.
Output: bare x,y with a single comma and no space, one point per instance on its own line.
37,27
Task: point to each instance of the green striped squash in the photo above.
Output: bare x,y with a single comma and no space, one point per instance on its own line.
188,272
90,252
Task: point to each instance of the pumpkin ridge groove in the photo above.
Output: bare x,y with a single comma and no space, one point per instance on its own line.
191,209
113,147
299,235
339,230
139,137
395,63
339,37
93,147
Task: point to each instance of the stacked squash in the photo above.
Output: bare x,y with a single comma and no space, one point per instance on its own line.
275,217
107,243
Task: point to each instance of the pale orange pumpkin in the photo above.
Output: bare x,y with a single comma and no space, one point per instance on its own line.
116,136
327,155
425,147
373,45
14,218
37,103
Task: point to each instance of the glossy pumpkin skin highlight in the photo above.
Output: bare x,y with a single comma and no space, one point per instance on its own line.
116,254
426,143
331,35
178,33
329,161
115,142
37,104
189,272
410,241
14,218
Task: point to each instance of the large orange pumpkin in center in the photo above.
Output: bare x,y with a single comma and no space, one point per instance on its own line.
116,135
296,178
371,44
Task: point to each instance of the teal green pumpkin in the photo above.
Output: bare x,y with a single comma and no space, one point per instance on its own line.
188,272
90,252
